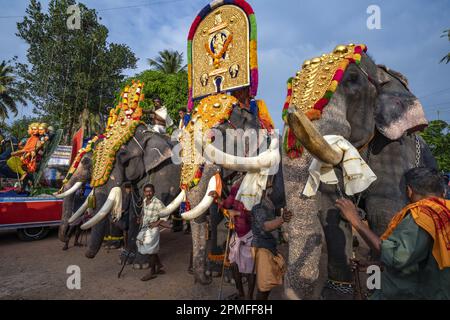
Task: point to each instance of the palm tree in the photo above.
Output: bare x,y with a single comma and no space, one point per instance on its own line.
9,93
446,58
168,61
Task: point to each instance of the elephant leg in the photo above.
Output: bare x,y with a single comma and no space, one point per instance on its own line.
216,218
339,239
199,229
306,274
96,238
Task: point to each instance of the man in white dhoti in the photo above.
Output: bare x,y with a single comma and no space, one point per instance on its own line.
147,240
160,117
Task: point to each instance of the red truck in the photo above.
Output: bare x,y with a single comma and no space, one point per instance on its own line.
32,217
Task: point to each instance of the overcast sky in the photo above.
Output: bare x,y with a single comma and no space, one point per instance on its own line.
289,31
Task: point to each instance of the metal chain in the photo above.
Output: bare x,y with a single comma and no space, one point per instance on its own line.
343,288
418,151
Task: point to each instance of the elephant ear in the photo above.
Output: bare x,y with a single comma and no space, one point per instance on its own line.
397,110
157,150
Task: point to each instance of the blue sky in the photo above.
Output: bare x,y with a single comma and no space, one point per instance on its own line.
289,31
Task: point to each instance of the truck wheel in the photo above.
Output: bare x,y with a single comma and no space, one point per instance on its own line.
30,234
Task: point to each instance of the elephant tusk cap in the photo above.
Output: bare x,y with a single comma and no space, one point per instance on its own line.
70,191
312,140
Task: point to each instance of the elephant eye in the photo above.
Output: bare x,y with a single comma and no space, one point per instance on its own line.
383,83
353,76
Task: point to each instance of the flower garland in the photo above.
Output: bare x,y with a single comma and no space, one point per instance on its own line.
354,57
291,145
76,162
105,152
120,127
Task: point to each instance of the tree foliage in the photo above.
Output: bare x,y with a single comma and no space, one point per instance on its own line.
19,127
171,88
437,136
168,61
9,91
70,71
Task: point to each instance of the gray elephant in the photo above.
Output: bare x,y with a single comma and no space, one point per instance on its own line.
146,158
224,164
373,108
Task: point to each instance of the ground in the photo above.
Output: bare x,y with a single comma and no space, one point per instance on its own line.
38,270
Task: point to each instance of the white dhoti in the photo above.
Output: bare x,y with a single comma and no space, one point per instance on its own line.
147,241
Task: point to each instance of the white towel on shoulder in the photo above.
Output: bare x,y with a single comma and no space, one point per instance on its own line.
357,174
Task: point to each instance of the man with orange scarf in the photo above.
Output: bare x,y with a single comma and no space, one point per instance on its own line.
415,249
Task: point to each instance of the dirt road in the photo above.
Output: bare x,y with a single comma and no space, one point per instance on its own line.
38,270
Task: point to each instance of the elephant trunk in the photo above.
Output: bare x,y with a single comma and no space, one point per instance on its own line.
66,213
98,231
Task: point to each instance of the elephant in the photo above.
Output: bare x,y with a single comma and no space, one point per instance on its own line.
201,201
376,112
146,158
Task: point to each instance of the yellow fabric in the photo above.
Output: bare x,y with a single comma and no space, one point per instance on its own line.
269,269
432,215
15,164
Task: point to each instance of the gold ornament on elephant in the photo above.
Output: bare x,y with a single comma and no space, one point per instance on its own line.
220,52
211,111
315,83
122,124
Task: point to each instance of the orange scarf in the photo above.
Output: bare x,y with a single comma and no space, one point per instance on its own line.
31,143
433,215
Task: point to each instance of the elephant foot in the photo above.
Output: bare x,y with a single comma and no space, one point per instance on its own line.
202,279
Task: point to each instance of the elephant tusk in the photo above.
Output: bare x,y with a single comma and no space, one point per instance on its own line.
171,207
105,209
80,210
204,204
312,140
266,159
70,191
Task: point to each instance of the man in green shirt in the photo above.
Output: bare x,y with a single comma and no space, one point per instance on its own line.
415,249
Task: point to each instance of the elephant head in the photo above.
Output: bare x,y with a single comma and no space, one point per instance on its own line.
373,108
144,158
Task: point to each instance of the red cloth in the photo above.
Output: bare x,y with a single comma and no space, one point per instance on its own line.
242,223
77,143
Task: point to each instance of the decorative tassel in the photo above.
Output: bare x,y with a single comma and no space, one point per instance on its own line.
91,202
